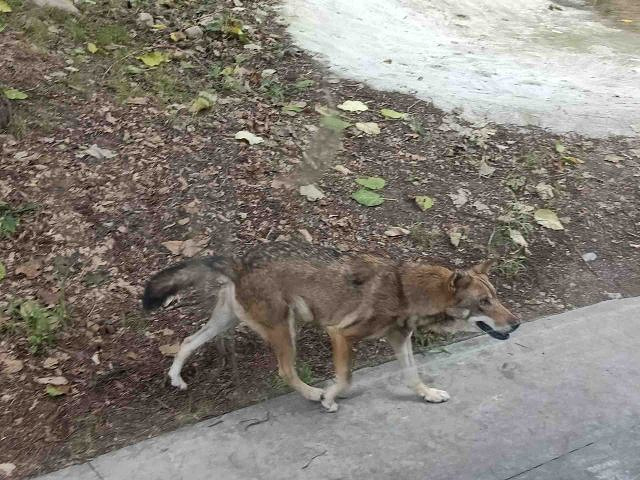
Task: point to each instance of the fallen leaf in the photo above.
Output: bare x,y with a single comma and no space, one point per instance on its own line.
485,169
99,153
517,238
92,47
177,36
372,183
560,148
306,235
7,468
52,380
50,363
153,59
294,107
544,190
367,197
548,219
95,358
342,169
460,198
203,101
455,236
13,94
392,114
54,391
249,137
396,232
169,350
12,366
5,8
137,100
30,269
370,128
353,106
174,246
424,202
612,158
334,122
481,207
194,246
311,192
158,26
3,271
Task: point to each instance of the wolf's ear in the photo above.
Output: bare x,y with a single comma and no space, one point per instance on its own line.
458,279
484,267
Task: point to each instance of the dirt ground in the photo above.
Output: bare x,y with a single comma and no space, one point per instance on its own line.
82,227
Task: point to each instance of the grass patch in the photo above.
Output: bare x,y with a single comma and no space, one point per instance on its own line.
512,266
10,217
423,237
38,323
304,372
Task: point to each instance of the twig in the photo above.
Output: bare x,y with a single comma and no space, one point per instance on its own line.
521,345
256,421
313,458
215,423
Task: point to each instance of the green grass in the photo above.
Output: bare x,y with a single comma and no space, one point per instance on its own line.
512,266
10,217
304,372
38,323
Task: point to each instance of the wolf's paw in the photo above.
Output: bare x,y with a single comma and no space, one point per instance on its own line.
433,395
177,381
328,403
314,394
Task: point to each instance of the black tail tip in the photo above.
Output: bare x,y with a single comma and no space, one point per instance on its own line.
151,299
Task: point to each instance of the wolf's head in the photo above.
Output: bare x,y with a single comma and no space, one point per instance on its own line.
473,295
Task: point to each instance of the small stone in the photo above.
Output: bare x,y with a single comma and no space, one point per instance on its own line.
613,296
145,18
589,257
194,32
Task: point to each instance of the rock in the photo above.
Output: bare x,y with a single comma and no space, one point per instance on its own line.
5,112
589,256
63,5
194,32
613,296
145,18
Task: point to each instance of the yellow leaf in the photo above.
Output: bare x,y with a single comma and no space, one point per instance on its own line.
153,59
5,7
92,48
548,219
177,36
159,26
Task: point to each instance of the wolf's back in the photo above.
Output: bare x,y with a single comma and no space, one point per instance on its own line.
184,275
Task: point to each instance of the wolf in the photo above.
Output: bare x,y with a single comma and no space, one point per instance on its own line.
352,296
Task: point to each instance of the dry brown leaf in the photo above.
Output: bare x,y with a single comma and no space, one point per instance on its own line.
174,246
169,350
13,366
52,380
31,269
306,235
50,362
396,232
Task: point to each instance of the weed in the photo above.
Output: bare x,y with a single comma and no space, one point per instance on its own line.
111,34
135,321
423,237
303,84
304,372
76,30
10,217
228,26
515,219
38,323
273,89
515,183
512,266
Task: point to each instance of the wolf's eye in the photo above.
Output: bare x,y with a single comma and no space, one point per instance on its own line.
485,302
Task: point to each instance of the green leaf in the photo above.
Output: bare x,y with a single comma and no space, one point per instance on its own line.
367,198
92,47
303,84
133,70
204,101
294,107
548,219
3,271
392,114
560,148
373,183
54,391
13,94
153,59
5,7
424,202
353,106
333,122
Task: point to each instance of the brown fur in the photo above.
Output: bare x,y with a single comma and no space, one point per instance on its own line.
352,297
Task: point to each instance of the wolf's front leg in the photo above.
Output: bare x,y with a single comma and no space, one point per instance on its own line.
341,346
400,341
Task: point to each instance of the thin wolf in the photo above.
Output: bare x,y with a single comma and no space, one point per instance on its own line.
353,297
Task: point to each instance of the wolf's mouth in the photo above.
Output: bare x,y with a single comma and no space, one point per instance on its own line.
494,333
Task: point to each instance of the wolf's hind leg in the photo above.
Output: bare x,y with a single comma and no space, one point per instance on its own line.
400,340
222,319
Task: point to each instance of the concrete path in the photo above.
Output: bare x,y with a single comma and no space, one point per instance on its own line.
560,400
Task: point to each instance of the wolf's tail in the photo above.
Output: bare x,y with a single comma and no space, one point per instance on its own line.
183,275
